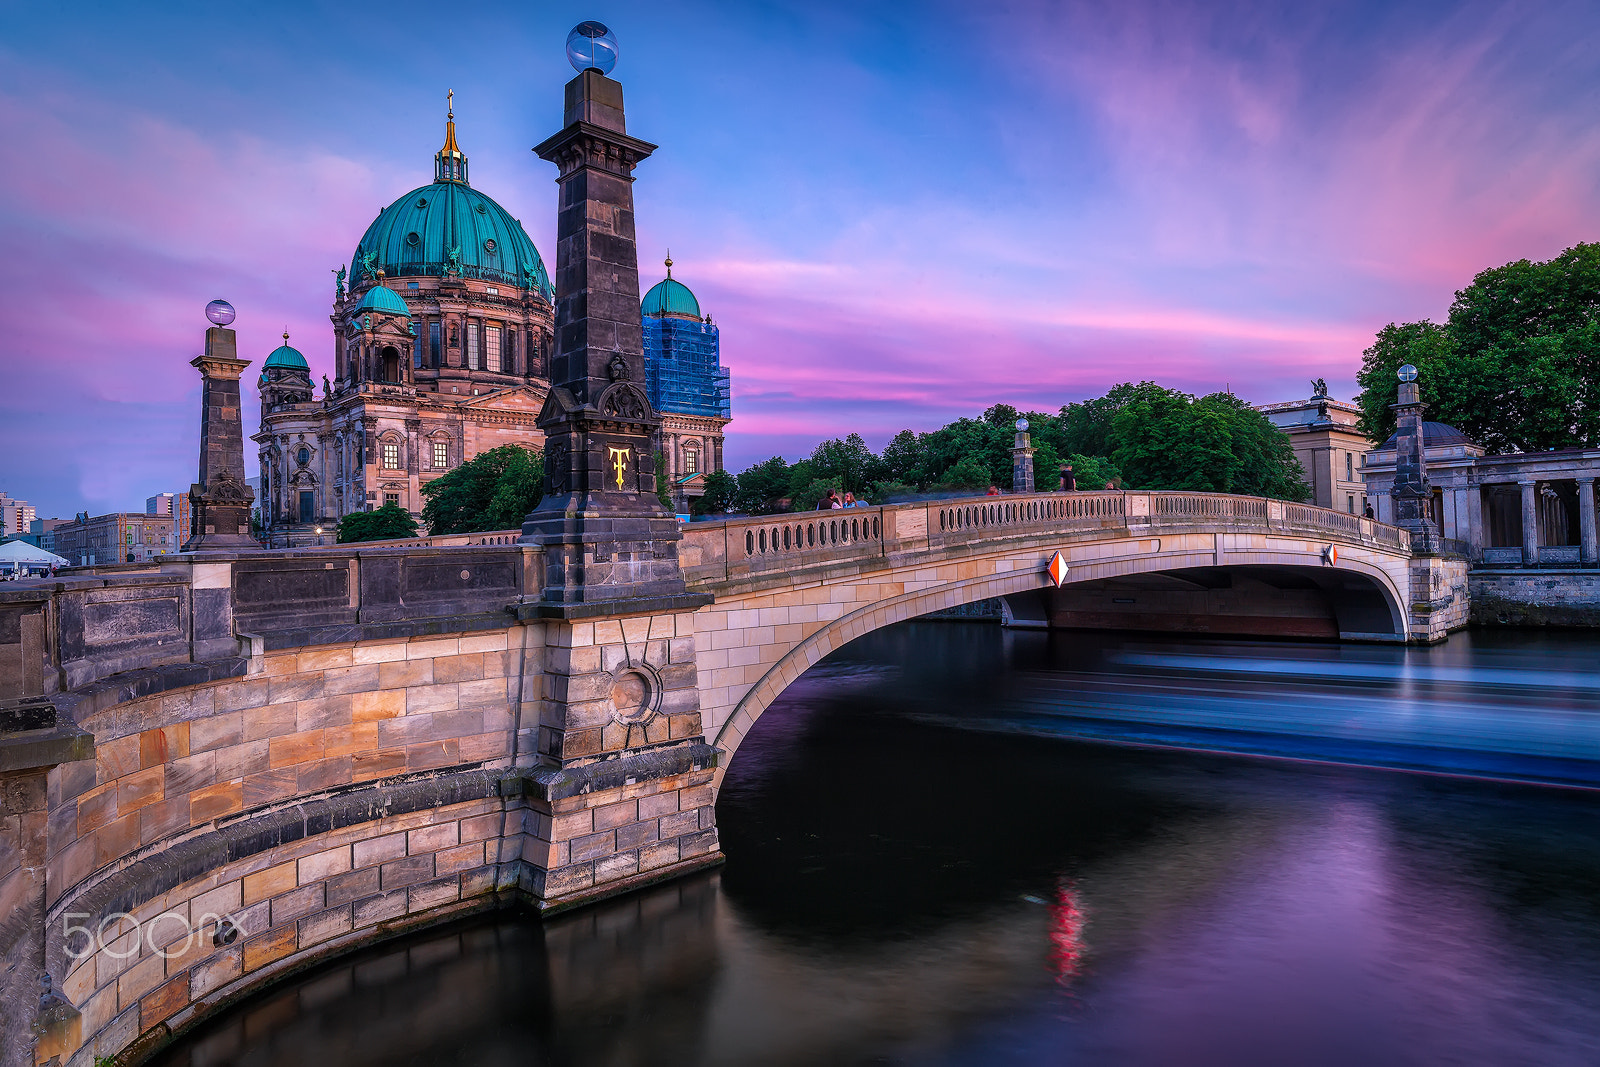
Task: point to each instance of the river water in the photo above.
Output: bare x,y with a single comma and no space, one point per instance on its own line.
952,844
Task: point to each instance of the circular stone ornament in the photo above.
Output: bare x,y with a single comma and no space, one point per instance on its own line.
635,694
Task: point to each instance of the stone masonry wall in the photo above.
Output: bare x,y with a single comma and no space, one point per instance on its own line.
1544,597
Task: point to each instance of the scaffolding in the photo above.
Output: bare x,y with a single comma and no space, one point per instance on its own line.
683,373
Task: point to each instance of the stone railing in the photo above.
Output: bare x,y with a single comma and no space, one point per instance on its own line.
735,548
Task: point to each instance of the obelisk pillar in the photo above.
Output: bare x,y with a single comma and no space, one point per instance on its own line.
1411,493
1022,459
220,498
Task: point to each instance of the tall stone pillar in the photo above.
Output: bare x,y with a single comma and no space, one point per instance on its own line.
1411,493
606,536
1022,460
220,498
1530,523
1590,550
620,734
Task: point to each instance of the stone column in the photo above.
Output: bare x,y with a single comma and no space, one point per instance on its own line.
1590,552
1530,523
605,535
1022,460
220,497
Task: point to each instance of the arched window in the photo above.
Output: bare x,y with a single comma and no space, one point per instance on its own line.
390,362
302,455
691,461
389,449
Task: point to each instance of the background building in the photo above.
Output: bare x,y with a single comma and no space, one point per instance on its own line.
16,517
687,386
439,352
119,537
1322,431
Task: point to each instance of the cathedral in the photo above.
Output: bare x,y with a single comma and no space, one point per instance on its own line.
440,350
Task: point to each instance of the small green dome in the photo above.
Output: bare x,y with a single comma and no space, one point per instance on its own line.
285,358
670,297
382,298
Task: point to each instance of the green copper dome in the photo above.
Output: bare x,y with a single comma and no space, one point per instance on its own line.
382,298
285,358
449,228
670,297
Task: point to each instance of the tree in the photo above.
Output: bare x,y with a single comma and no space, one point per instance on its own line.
1165,439
1516,366
663,486
388,523
720,490
762,486
903,457
493,490
850,463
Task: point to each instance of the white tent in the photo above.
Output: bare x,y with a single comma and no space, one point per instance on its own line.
21,554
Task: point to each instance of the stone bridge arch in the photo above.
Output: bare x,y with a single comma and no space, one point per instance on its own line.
1381,616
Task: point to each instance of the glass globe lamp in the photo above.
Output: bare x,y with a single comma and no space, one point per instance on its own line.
1407,373
1022,425
591,46
220,312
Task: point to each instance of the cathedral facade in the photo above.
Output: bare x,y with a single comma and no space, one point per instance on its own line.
688,387
440,350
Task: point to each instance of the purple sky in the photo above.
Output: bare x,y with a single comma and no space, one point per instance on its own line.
895,217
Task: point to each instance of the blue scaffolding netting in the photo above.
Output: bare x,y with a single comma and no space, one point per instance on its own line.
683,373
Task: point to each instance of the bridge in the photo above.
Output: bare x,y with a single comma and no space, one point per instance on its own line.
225,767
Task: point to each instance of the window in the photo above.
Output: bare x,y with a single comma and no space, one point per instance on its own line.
691,461
416,352
1349,467
433,343
1351,503
303,456
510,357
391,455
491,347
441,454
391,498
472,346
308,505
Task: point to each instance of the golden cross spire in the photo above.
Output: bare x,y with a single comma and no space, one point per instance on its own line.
669,263
450,97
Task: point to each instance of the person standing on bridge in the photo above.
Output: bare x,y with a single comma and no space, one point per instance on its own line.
850,500
994,490
828,502
1069,481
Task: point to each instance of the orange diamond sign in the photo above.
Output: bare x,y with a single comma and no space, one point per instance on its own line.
1057,569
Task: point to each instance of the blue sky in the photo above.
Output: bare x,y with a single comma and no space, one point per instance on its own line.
897,215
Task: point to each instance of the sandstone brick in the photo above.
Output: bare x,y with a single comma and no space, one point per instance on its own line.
568,826
163,744
322,713
370,707
216,972
682,822
241,694
215,801
459,858
116,757
590,846
432,838
323,865
426,698
116,839
293,749
366,766
140,977
489,642
324,775
270,883
272,720
96,808
407,871
324,925
379,849
322,658
270,786
480,827
361,678
267,947
479,748
609,816
480,693
163,819
349,740
432,755
660,855
462,668
352,885
406,672
635,835
432,894
620,865
660,804
297,902
166,1000
294,687
241,760
697,843
136,790
380,908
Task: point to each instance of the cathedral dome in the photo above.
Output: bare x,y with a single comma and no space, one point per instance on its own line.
670,297
450,227
285,358
382,298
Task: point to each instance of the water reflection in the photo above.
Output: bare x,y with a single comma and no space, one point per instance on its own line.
904,888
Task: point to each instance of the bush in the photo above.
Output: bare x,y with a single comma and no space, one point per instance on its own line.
388,523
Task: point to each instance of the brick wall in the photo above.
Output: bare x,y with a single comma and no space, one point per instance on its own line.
1562,598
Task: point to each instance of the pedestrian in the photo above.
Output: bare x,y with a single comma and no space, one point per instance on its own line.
1069,481
1111,486
828,503
1370,515
849,499
993,490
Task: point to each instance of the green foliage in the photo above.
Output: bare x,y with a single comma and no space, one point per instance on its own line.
849,463
762,486
720,490
1517,365
493,490
386,524
663,486
880,492
969,472
1091,472
1164,439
